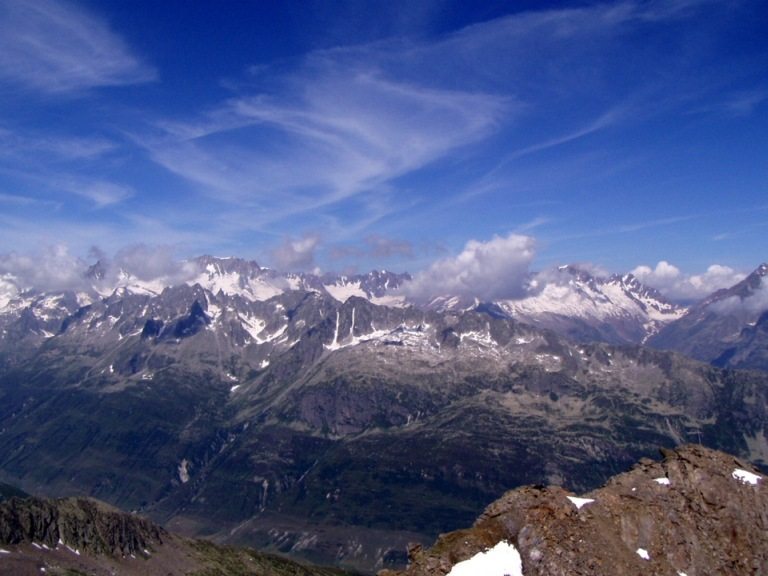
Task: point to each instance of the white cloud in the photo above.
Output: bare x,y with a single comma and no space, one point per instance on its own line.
54,268
296,254
674,284
753,305
152,263
489,270
54,46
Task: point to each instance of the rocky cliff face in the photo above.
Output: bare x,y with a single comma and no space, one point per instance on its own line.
80,523
696,512
85,536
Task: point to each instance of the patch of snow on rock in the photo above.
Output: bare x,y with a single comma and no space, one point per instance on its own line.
579,502
663,481
643,553
746,477
3,551
501,560
343,292
183,470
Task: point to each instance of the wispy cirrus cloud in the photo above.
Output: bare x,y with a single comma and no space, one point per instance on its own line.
51,164
57,47
339,132
308,141
375,247
101,192
19,200
31,147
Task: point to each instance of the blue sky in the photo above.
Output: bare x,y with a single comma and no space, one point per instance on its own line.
356,135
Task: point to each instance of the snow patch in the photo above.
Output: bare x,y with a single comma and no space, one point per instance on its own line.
391,300
482,338
579,502
643,553
746,477
183,470
664,481
235,387
253,326
501,560
343,292
4,551
73,550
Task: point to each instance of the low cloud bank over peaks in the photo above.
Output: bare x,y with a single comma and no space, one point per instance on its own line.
493,270
296,254
675,285
54,269
496,269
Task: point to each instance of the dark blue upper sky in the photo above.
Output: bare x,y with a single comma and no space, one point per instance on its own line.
350,135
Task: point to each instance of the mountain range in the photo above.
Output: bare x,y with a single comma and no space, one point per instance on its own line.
329,418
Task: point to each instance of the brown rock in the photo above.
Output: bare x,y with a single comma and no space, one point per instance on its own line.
704,521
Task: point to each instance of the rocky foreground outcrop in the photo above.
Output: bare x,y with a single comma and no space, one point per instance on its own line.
72,536
83,524
697,512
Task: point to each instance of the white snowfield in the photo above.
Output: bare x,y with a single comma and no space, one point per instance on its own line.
603,300
501,560
579,502
664,481
254,288
344,291
746,477
643,553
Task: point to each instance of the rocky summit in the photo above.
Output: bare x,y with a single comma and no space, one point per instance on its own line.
697,512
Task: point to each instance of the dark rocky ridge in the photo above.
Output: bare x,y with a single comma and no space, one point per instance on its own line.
8,491
81,523
85,536
705,521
